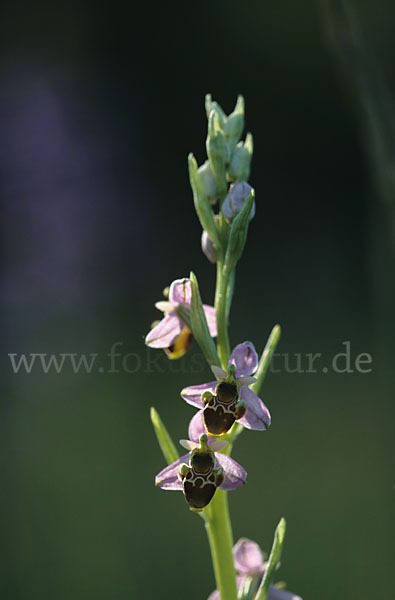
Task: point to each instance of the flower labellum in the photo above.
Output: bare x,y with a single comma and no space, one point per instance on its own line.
199,473
224,408
200,479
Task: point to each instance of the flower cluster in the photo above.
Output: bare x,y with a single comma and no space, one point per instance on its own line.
251,567
225,204
221,403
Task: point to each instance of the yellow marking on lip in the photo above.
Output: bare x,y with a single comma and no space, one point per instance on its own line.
180,345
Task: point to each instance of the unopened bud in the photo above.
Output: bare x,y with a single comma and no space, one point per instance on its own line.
202,205
208,248
217,151
208,180
240,163
212,105
238,235
235,200
234,124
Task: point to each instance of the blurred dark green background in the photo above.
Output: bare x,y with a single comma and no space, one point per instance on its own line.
100,106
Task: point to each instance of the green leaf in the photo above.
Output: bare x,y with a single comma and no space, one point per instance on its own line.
266,357
238,236
165,442
185,314
202,204
199,325
273,561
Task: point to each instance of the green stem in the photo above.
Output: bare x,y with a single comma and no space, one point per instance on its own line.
221,297
219,532
216,515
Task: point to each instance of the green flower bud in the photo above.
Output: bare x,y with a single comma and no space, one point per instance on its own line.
234,124
211,105
217,151
208,179
202,204
208,248
240,163
235,199
238,235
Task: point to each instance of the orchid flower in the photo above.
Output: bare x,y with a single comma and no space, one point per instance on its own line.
228,399
171,333
250,566
200,472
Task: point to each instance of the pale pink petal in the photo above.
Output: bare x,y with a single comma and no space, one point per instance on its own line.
217,445
248,557
180,291
277,594
164,306
257,415
168,479
188,445
211,319
165,332
196,427
245,359
218,372
193,393
235,475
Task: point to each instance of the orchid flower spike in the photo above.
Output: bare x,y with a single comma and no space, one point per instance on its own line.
250,567
171,333
199,473
230,398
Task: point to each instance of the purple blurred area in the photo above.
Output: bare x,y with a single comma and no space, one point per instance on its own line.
64,206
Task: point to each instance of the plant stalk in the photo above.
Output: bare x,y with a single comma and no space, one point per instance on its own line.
222,311
219,532
216,515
